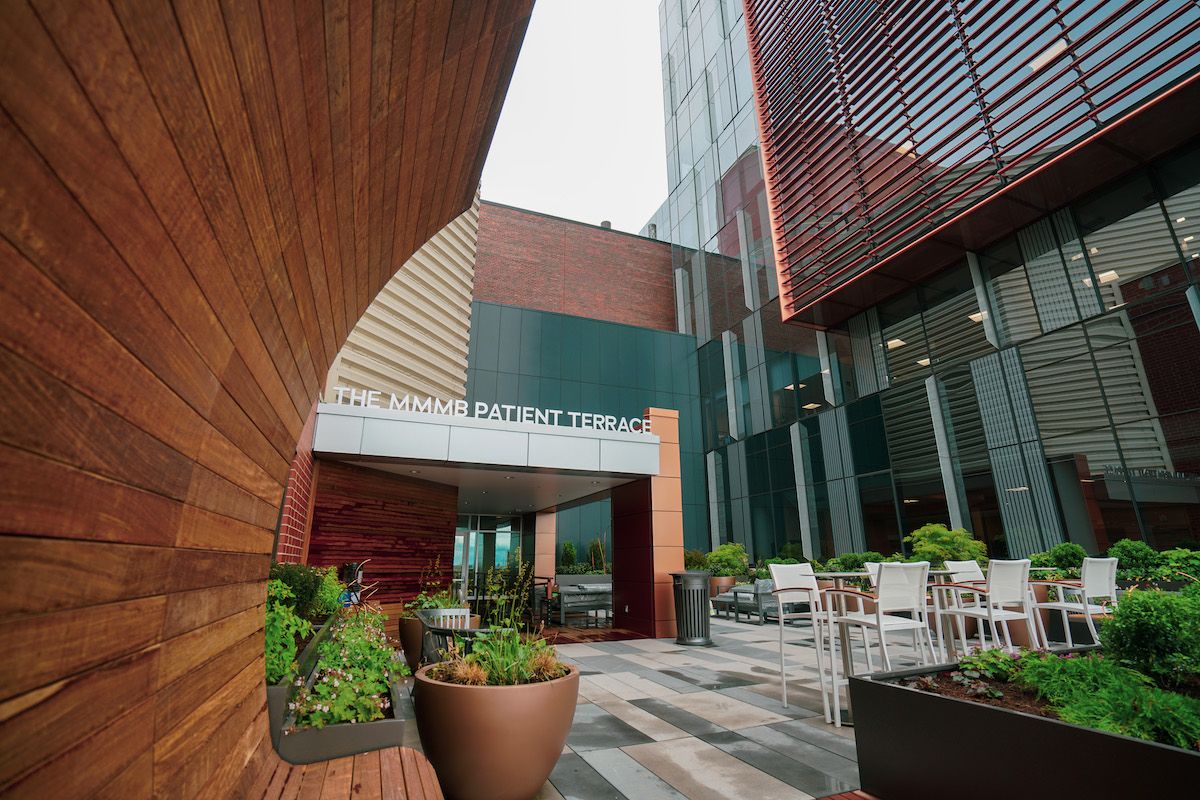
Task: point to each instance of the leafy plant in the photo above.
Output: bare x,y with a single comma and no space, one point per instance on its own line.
936,543
1157,633
764,568
852,562
304,582
282,628
435,590
567,559
329,593
503,657
993,663
974,687
728,560
355,666
694,559
1137,561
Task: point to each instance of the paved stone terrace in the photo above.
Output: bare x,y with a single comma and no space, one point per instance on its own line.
657,720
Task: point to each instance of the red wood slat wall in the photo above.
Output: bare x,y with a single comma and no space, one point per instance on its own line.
403,525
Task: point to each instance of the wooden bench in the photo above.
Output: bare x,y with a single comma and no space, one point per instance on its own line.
397,773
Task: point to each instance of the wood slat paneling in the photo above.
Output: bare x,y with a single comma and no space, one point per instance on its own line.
197,202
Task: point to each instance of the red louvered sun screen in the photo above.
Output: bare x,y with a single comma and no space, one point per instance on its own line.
881,121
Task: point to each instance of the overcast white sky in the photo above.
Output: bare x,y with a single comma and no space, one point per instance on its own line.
581,133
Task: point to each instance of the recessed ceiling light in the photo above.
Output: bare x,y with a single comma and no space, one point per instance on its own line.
978,316
793,386
811,406
905,149
908,502
485,491
1094,251
1048,55
924,362
415,471
1018,489
1108,277
1077,256
892,344
1182,219
1188,238
508,477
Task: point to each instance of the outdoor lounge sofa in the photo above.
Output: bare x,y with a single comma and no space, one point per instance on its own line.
583,594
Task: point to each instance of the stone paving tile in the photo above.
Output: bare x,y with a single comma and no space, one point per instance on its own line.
548,792
683,720
822,736
728,712
827,761
594,729
628,686
575,779
771,701
629,777
603,663
701,771
669,681
578,650
787,769
656,728
653,645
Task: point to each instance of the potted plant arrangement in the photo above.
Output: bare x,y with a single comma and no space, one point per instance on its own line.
1141,565
300,602
509,690
727,563
434,594
352,701
1121,721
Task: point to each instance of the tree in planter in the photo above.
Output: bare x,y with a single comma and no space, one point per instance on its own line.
728,560
936,544
567,559
597,559
282,628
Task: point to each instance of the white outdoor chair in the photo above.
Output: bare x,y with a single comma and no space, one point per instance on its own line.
796,584
900,587
960,572
1098,578
872,568
1006,586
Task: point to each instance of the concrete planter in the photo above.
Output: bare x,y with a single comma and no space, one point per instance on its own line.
279,693
307,745
945,735
494,742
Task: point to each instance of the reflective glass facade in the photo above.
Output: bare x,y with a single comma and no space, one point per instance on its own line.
548,360
1041,389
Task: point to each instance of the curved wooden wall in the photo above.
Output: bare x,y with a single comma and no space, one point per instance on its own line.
197,202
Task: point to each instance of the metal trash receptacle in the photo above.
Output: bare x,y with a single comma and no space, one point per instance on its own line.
691,607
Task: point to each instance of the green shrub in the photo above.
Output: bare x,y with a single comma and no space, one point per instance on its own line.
792,550
303,581
1096,692
852,562
1137,561
695,559
764,572
1156,633
282,626
728,560
567,559
994,663
329,593
1182,564
936,543
1067,555
355,664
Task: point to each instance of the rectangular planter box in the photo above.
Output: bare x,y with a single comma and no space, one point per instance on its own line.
306,745
914,744
278,694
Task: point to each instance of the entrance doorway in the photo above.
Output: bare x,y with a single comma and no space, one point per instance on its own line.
483,542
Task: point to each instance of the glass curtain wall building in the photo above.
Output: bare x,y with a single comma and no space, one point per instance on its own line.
1038,388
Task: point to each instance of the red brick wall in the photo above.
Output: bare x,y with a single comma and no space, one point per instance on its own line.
551,264
293,520
403,525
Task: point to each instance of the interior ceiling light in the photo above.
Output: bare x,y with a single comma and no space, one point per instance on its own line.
1187,239
978,316
1018,489
1094,251
910,502
892,344
1108,277
924,362
1181,219
1077,256
508,477
794,386
906,149
811,406
1049,54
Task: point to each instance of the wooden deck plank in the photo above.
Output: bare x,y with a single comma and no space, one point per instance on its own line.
367,777
338,779
391,774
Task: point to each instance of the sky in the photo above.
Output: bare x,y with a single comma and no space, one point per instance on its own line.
581,132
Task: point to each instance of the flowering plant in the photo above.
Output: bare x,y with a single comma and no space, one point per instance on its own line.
355,667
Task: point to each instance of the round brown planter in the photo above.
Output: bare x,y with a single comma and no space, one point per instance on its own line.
411,633
494,742
717,585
